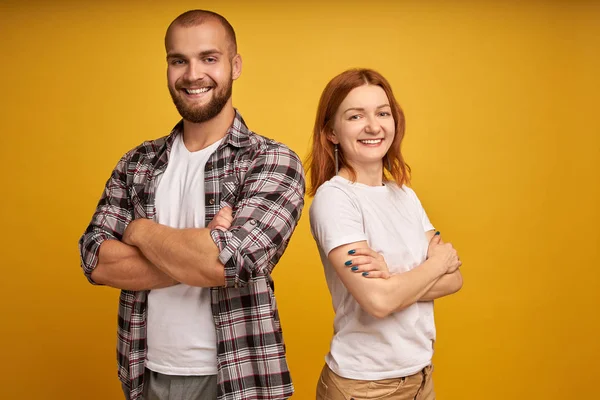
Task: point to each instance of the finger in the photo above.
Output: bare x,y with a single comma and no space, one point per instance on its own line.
223,220
360,260
367,267
363,251
214,223
221,226
219,221
376,275
436,239
226,212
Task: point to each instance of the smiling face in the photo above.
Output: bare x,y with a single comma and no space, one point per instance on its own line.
201,70
364,127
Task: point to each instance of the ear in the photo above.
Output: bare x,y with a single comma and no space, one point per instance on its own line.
236,66
331,136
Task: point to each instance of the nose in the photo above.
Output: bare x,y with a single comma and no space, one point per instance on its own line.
372,125
193,72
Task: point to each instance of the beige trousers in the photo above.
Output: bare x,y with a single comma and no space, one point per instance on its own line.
414,387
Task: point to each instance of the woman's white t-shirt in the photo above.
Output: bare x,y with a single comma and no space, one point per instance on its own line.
393,222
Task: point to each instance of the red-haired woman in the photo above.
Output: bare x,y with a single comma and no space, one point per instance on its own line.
384,262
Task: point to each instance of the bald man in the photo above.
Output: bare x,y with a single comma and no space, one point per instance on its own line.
190,227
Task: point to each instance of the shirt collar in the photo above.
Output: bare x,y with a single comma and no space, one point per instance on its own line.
238,134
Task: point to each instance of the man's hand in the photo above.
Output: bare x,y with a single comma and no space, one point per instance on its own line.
132,229
222,221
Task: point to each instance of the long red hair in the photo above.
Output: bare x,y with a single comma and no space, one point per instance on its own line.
321,160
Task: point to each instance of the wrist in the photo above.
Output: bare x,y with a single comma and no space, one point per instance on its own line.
135,231
438,266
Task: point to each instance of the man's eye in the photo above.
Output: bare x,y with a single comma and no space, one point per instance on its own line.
177,62
210,60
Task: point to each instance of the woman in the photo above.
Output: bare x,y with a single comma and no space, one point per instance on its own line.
384,262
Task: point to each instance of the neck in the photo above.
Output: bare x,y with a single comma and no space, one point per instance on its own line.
371,175
197,136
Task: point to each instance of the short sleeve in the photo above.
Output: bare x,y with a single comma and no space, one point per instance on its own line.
427,226
335,219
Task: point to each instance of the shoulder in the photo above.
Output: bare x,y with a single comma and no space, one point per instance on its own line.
409,197
139,159
402,192
146,150
333,187
410,193
268,148
260,151
266,158
408,190
333,195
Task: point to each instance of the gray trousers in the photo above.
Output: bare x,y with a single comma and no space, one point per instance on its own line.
174,387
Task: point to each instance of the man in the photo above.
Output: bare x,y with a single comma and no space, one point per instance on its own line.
190,227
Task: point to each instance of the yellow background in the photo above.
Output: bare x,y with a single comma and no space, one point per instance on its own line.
501,100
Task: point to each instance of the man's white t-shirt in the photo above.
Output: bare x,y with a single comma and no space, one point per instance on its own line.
393,222
181,331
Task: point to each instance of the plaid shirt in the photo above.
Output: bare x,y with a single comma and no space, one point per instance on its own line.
264,183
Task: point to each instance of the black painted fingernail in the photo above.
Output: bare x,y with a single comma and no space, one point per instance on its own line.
365,273
437,233
351,251
348,263
354,268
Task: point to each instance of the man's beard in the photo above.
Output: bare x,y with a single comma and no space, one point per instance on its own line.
199,114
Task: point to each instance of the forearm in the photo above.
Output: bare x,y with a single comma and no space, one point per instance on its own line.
188,255
404,289
446,285
124,267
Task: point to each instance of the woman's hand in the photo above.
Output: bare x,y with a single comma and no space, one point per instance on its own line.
443,253
367,262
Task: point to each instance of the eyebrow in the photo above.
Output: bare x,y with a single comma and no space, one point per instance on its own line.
362,109
204,53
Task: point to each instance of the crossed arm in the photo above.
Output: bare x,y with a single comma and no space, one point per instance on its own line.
438,276
446,284
188,256
153,256
141,254
125,267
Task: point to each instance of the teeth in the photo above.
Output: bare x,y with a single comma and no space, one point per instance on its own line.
371,141
197,91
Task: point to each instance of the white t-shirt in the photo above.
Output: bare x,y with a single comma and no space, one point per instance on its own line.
181,331
393,222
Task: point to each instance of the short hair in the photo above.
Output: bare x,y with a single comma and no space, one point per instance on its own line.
198,17
321,160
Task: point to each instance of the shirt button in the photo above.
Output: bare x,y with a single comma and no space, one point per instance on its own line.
252,222
211,201
208,166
